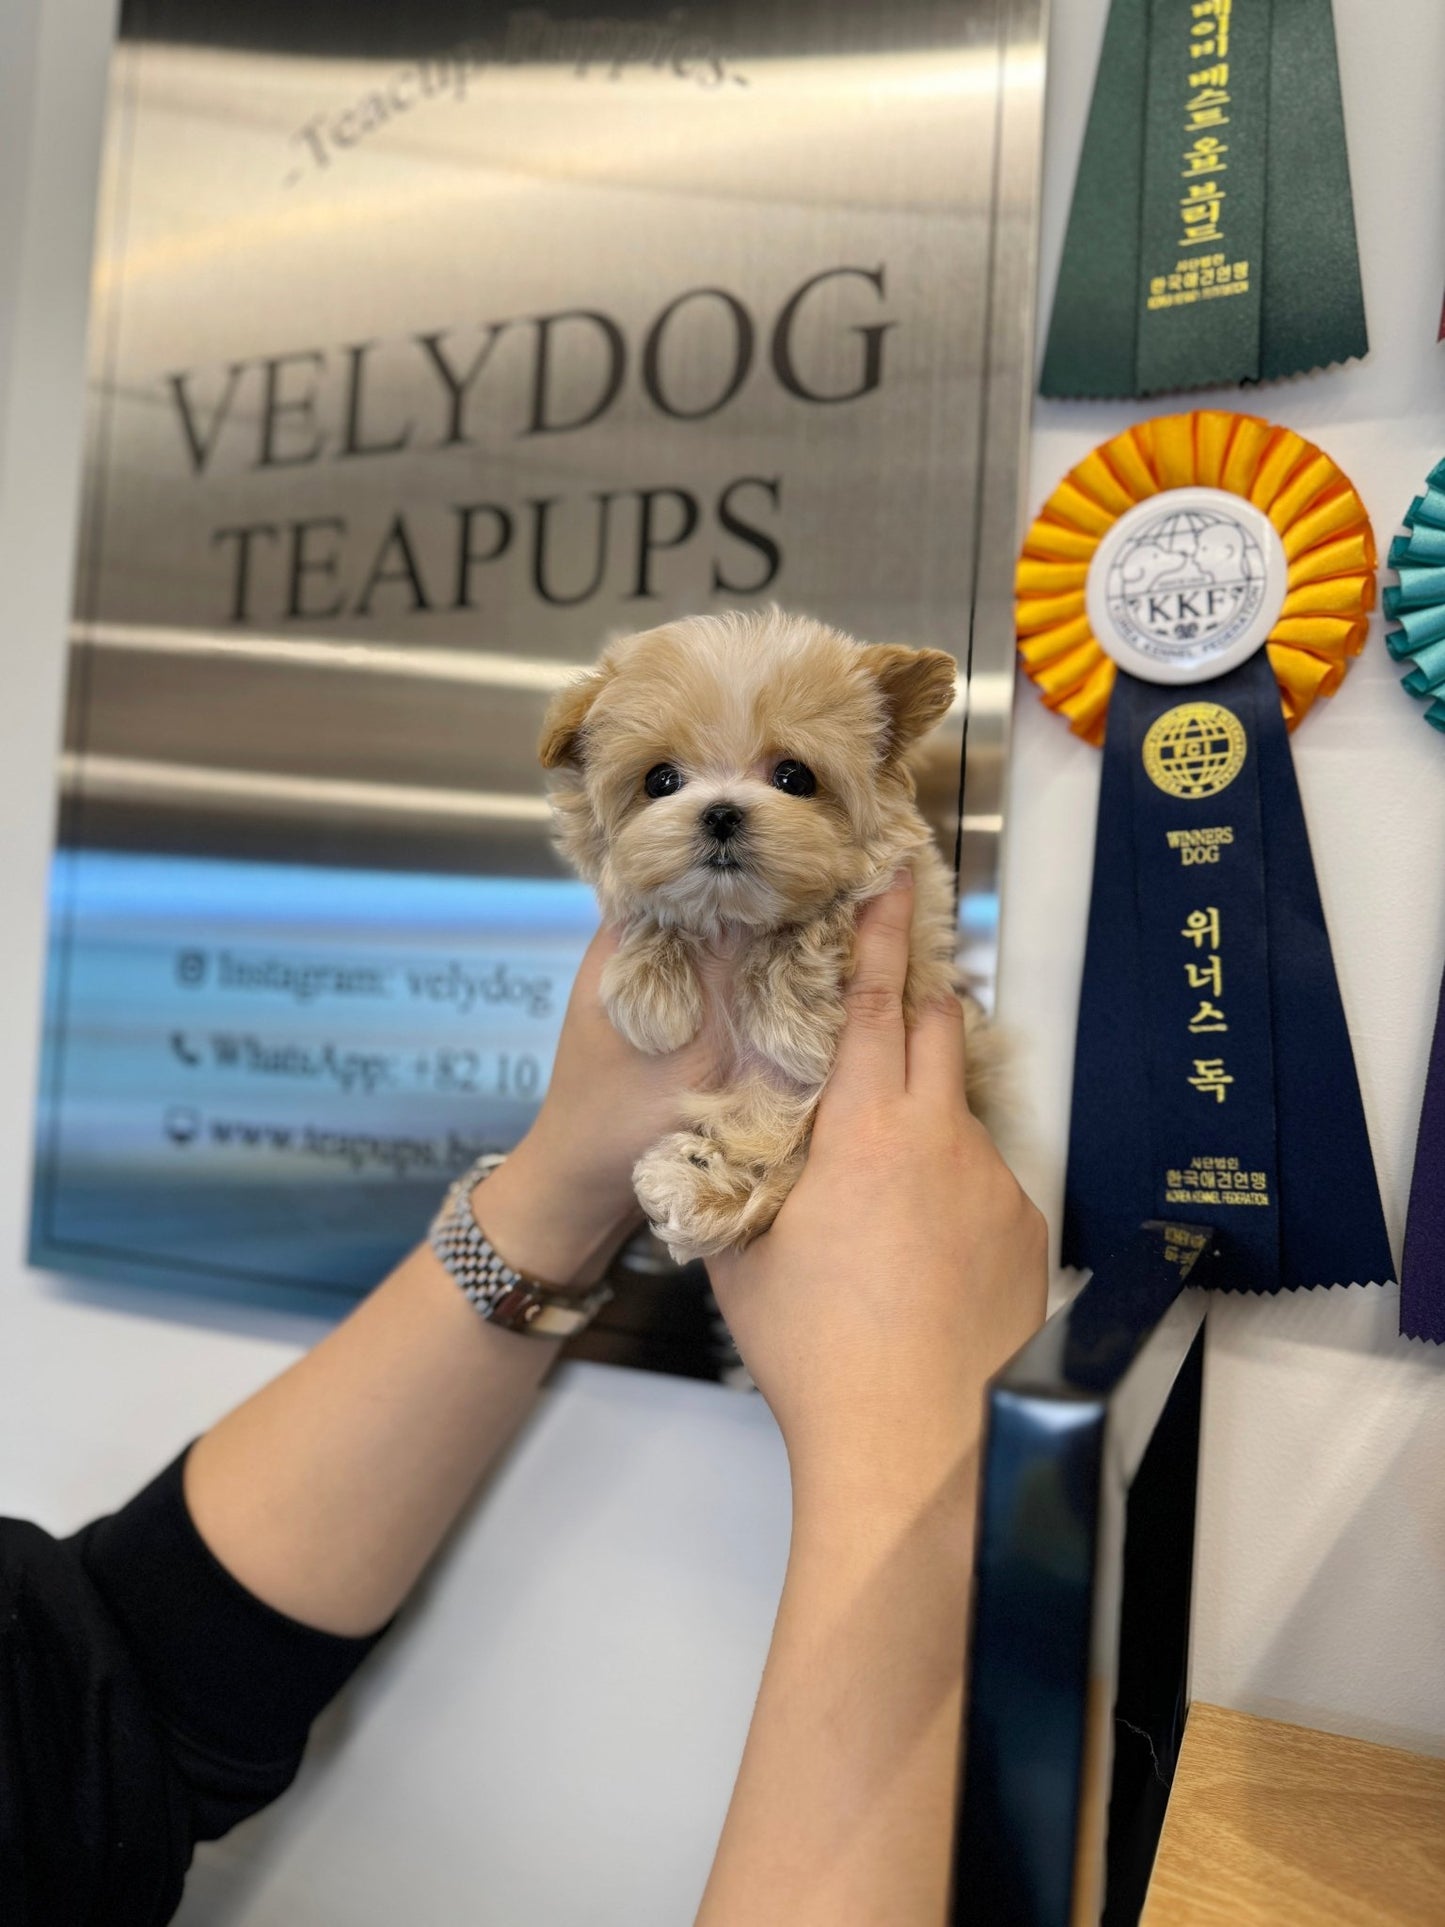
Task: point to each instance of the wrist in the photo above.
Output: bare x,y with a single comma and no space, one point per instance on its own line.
547,1221
842,1493
923,1541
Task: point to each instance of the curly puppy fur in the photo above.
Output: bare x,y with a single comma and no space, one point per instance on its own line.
730,706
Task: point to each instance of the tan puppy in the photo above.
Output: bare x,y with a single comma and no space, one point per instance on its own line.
734,786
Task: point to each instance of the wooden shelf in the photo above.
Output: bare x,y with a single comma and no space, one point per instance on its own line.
1281,1826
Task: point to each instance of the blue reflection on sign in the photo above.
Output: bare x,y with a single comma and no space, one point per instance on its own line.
267,1072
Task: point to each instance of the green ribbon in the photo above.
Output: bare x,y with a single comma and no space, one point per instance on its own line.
1211,239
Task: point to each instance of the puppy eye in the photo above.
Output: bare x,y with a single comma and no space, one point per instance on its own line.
663,779
794,778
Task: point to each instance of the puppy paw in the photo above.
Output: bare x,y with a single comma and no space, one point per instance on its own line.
788,995
696,1202
651,993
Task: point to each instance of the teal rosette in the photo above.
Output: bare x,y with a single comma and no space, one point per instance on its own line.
1417,603
1417,600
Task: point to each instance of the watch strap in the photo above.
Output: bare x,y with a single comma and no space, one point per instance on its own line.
499,1292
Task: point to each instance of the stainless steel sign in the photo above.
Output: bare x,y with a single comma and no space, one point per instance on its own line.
503,379
427,352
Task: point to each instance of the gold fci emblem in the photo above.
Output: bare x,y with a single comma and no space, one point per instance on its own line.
1195,750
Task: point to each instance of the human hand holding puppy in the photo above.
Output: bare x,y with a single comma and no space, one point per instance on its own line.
903,1270
906,1265
734,787
563,1201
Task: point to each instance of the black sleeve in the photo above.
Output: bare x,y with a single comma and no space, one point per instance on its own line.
147,1701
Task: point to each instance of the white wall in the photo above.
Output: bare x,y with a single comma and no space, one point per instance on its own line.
1321,1593
551,1738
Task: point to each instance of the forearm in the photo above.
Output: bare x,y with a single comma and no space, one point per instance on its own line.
843,1810
327,1492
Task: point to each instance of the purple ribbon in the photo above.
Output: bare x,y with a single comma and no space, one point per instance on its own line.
1422,1275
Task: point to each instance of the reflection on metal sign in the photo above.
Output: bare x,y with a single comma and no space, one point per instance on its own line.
432,346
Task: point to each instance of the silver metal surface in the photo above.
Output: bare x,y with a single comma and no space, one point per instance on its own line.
432,346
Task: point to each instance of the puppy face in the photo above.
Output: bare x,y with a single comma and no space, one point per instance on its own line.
736,770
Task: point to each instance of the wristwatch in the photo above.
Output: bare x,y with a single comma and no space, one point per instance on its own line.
500,1293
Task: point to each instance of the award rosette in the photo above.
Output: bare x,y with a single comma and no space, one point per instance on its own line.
1416,601
1188,592
1416,604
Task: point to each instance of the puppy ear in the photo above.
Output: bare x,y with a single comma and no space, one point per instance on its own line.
566,716
917,686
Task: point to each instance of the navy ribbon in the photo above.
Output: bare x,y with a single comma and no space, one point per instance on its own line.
1206,913
1422,1275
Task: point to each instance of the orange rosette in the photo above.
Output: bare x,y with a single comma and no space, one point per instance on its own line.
1328,545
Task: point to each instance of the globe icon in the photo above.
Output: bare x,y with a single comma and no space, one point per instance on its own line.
1195,750
1187,548
1180,532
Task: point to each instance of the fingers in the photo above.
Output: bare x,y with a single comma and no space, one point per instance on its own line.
723,1268
606,941
594,961
938,1053
872,1058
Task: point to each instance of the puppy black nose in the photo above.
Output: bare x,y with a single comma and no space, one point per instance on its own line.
722,820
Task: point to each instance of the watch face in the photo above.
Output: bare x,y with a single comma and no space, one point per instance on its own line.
1186,585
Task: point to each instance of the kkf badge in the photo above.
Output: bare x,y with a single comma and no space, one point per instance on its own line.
1187,586
1185,596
